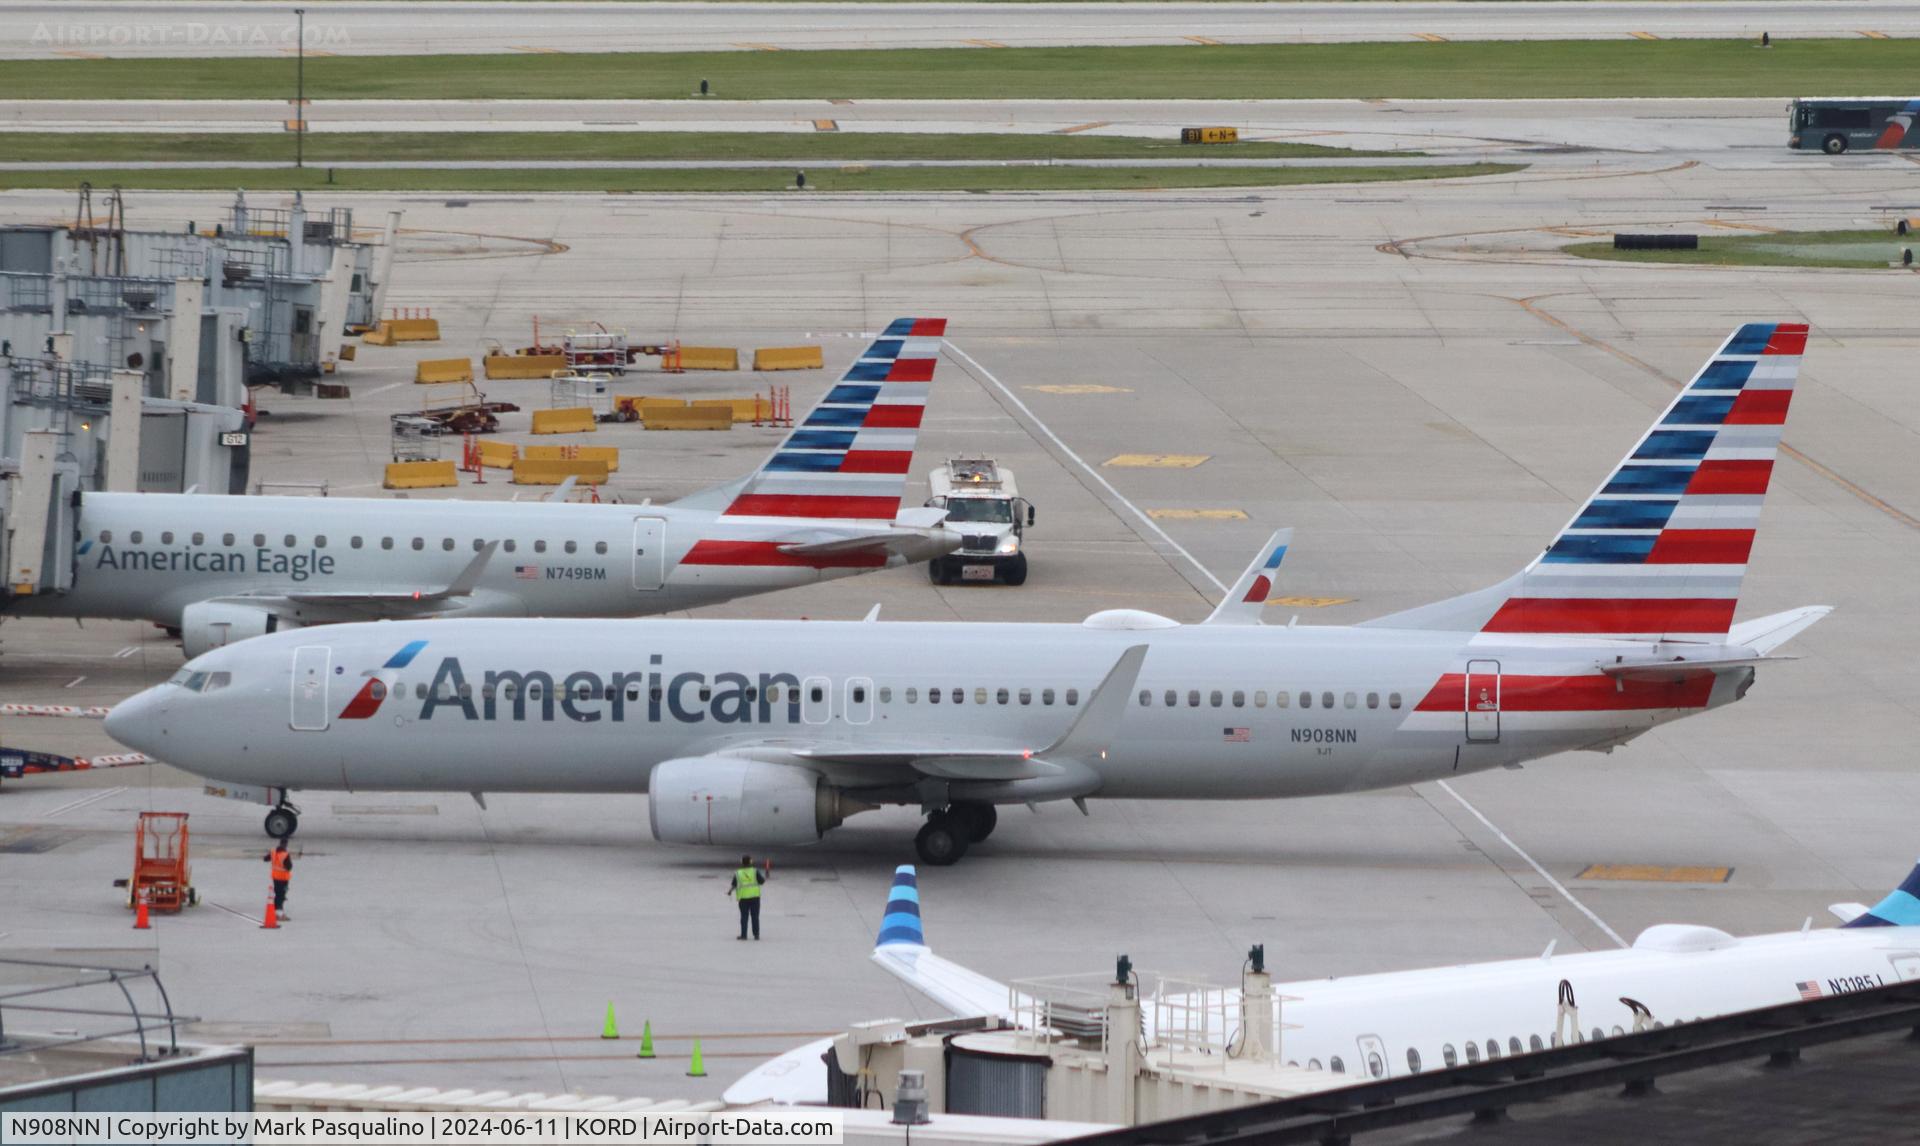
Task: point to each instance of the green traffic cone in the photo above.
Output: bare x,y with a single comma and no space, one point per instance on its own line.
646,1040
609,1031
698,1068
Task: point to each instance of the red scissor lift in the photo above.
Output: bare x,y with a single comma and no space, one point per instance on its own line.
161,872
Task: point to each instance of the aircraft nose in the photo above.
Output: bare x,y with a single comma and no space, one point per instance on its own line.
138,721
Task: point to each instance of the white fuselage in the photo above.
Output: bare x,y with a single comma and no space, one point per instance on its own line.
1364,708
150,556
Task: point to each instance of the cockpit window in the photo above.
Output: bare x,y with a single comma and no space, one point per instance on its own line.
218,680
180,677
197,682
201,681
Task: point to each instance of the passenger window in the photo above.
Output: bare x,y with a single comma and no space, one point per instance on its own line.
291,541
1193,698
1413,1060
1281,698
386,543
1393,700
420,690
1046,696
1146,698
1239,699
959,696
1473,1052
600,547
1214,698
1336,1065
773,694
320,541
571,547
706,693
1326,700
1313,1064
199,539
1533,1041
1260,698
478,545
1350,700
859,695
226,539
1073,697
378,690
979,696
1306,699
419,543
1598,1034
886,695
1513,1046
1172,698
106,537
1373,700
1375,1065
1026,696
913,696
446,543
1448,1055
1001,697
539,547
135,537
355,542
816,694
1617,1032
166,538
508,545
933,696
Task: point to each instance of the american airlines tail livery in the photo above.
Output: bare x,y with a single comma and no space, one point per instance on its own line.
1400,1022
826,504
762,733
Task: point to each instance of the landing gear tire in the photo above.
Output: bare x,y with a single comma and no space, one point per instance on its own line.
1014,572
941,842
282,822
937,571
1834,144
976,820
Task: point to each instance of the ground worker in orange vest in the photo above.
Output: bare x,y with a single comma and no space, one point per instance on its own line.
745,889
282,871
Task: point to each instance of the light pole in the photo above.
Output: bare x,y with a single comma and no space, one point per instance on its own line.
300,90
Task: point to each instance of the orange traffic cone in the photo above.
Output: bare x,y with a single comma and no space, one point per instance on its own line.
140,912
272,921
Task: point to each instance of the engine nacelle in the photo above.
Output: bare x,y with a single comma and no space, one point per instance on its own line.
750,803
209,625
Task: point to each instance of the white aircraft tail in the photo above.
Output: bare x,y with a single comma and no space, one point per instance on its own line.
902,950
1658,552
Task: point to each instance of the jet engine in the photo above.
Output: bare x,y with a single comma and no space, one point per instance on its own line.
208,625
727,800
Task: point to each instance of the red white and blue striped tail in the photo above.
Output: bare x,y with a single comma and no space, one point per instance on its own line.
848,458
1658,552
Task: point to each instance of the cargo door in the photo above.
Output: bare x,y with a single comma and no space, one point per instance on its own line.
1483,701
312,664
649,552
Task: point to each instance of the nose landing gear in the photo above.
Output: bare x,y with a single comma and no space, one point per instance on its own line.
949,832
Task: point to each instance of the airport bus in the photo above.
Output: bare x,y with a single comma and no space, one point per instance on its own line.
1839,125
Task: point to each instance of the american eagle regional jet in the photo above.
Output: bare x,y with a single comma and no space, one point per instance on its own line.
825,505
761,733
1399,1022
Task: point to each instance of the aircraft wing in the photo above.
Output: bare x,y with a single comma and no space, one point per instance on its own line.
902,951
1243,602
397,604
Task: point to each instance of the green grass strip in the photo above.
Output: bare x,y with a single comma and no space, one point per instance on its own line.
216,147
735,179
1855,249
1485,69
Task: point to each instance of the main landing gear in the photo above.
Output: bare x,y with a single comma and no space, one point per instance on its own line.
949,832
284,820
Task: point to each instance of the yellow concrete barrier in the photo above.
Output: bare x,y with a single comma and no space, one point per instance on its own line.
412,329
741,409
610,455
429,371
347,351
788,358
553,471
709,358
570,420
421,475
498,455
690,418
378,336
509,366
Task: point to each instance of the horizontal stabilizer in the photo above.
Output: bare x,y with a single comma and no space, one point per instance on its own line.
1248,596
1764,634
1847,912
1680,669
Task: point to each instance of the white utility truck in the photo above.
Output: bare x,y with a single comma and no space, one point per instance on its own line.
985,507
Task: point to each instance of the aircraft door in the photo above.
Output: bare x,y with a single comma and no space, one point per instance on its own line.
312,664
816,699
1373,1057
1483,701
649,552
858,705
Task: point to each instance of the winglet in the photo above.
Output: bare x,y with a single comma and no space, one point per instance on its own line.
900,926
1094,729
562,491
1243,602
470,576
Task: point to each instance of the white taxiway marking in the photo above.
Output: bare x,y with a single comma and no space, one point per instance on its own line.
84,801
382,389
1208,574
74,681
126,652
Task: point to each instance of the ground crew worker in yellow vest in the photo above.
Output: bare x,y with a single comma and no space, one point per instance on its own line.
282,872
745,889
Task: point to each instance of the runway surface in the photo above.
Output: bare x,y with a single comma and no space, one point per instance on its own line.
39,29
1412,376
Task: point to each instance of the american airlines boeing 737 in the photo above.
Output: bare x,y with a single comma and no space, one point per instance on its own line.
1399,1022
825,505
772,732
